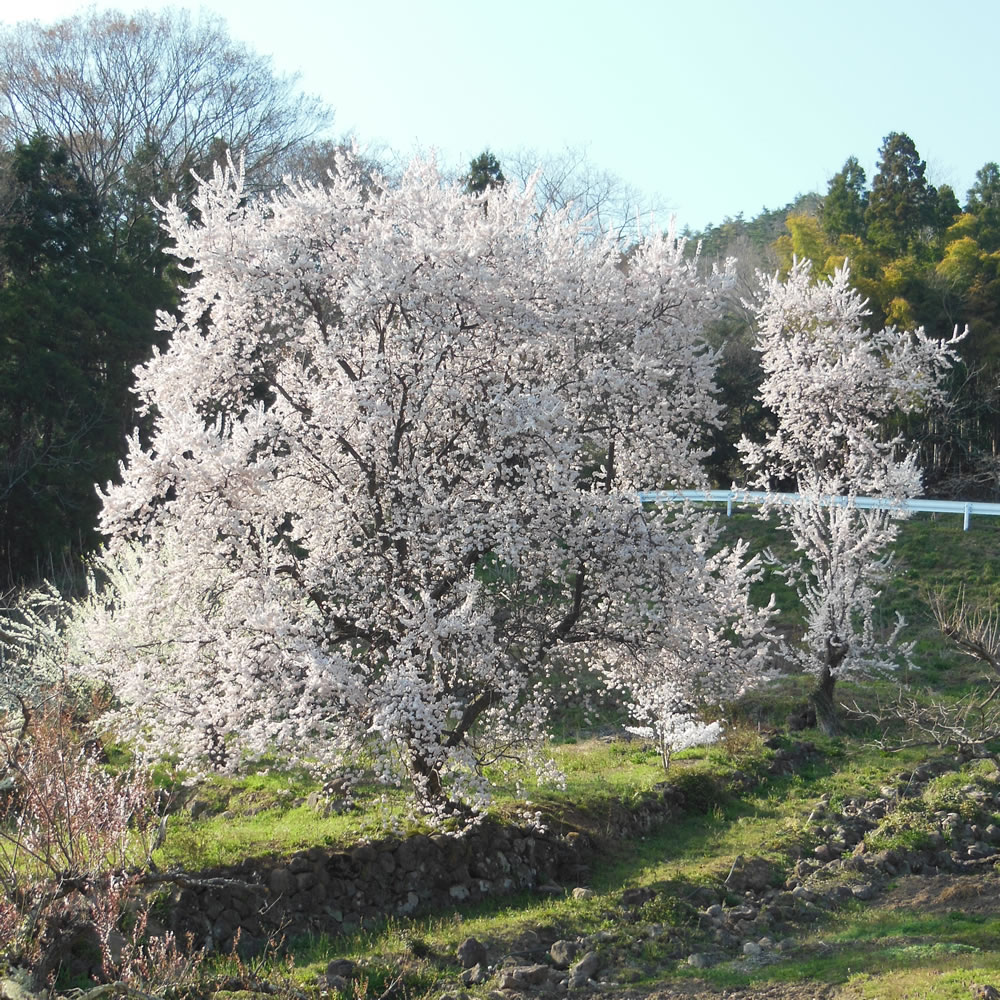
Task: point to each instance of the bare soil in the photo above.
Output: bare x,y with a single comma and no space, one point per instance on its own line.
946,893
700,991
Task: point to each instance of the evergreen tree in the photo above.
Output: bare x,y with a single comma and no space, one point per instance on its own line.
983,204
901,203
484,174
76,316
843,209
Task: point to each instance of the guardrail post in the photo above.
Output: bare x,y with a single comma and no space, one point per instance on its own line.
965,521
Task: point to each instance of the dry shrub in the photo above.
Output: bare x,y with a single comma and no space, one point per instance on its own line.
75,842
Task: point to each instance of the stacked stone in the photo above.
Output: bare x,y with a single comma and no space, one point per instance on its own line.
339,891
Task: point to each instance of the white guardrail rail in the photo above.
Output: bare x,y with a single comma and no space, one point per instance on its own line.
967,508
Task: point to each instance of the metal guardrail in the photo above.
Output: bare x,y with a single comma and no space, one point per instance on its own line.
964,507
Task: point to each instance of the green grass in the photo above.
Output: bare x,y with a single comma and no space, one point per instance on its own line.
868,952
697,850
879,954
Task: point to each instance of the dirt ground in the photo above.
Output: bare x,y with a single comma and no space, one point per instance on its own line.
945,893
700,991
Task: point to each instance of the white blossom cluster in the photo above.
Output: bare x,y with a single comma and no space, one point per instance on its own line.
831,383
391,483
674,731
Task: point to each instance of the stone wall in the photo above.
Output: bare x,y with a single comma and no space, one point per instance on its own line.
334,891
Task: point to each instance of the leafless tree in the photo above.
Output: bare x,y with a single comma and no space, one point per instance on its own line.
155,91
570,178
973,627
970,722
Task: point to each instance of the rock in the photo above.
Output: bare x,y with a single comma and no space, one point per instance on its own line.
581,893
829,851
699,960
280,881
199,807
984,992
475,976
341,968
336,786
839,894
753,874
340,973
636,897
980,850
563,952
520,976
364,854
586,967
752,950
471,953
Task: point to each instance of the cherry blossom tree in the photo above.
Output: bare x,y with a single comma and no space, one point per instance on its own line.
390,497
830,384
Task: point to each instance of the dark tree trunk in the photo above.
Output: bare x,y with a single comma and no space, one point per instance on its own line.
822,697
427,780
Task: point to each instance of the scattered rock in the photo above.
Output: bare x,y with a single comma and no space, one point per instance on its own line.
984,992
199,807
637,897
471,953
475,976
585,968
342,968
582,893
699,960
751,875
563,953
520,976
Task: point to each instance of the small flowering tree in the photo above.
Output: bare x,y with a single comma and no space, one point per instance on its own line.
830,384
397,438
720,647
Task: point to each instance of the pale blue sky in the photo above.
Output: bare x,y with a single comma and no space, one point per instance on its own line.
709,108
